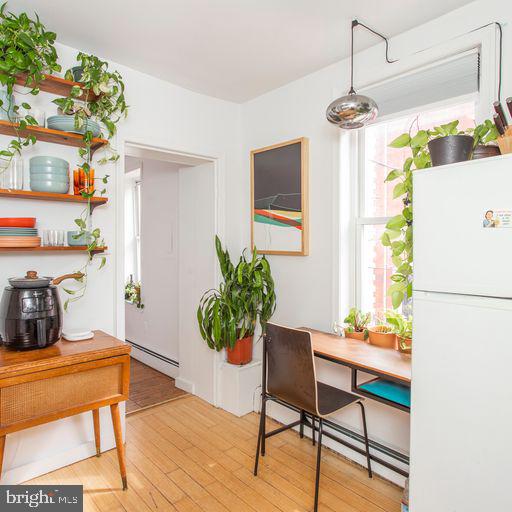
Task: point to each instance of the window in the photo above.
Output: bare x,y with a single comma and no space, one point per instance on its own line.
376,203
137,203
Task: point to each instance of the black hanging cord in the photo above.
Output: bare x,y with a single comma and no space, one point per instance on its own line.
500,30
356,23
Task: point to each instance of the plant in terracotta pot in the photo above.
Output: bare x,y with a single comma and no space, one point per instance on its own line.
228,316
356,324
382,334
402,327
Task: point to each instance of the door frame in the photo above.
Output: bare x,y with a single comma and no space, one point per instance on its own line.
182,155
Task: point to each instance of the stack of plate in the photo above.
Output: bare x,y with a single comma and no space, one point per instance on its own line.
49,174
18,232
67,124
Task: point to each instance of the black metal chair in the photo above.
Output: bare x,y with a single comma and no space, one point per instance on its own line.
290,378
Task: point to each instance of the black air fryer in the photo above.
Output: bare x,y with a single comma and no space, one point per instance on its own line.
30,317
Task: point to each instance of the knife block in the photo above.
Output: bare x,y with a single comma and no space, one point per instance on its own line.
505,142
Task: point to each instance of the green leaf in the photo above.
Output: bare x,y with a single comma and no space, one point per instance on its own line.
420,139
396,223
399,190
103,262
401,141
393,175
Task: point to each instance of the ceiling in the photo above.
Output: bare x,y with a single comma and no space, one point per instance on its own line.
230,49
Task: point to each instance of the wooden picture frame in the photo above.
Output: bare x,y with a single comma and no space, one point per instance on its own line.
279,198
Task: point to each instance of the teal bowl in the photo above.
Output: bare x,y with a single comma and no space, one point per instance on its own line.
56,178
83,239
62,173
56,187
67,124
48,161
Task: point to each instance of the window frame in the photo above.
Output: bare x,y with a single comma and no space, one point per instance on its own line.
359,219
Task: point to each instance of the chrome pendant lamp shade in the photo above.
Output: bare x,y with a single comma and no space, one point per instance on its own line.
354,110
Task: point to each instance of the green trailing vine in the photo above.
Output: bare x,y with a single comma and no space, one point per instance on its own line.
26,49
398,235
100,96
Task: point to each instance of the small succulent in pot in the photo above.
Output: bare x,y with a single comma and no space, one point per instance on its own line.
382,334
402,327
356,324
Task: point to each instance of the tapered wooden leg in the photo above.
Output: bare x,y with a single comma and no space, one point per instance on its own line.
2,446
97,440
118,433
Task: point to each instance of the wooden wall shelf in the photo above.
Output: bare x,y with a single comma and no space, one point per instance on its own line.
55,85
48,196
61,249
48,135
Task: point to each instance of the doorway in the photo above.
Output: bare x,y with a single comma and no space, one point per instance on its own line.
169,261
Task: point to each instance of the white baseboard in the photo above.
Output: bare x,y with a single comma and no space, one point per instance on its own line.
155,362
21,474
186,385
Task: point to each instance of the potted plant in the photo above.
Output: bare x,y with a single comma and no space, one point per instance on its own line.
402,327
228,316
382,335
483,136
448,145
356,325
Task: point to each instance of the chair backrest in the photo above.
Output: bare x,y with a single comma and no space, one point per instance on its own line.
290,367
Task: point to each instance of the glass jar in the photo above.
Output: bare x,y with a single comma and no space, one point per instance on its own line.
11,178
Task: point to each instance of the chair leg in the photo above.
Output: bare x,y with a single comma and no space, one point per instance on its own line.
263,426
313,432
260,435
301,428
366,442
318,460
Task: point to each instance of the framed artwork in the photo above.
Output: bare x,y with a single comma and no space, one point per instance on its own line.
279,198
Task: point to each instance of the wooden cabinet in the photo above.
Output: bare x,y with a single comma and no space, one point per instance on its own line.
68,378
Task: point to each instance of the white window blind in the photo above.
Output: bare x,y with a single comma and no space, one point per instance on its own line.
456,76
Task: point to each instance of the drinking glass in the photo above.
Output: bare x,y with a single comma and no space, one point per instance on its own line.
11,178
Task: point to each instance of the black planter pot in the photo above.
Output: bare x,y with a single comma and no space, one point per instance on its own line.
451,149
482,151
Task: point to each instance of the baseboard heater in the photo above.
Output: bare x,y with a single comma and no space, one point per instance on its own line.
153,353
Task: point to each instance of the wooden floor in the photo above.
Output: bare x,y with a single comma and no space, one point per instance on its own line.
149,387
187,456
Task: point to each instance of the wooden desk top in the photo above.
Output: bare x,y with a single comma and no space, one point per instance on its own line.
362,355
62,353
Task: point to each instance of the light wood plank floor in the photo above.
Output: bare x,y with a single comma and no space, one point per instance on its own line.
188,456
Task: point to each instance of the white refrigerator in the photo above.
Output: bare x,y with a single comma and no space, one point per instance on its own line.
461,411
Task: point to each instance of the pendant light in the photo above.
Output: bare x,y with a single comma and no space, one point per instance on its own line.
354,110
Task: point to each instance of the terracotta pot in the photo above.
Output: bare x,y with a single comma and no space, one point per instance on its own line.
242,352
404,345
355,335
382,339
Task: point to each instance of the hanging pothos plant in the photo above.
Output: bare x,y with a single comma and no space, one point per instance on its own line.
26,50
100,96
398,235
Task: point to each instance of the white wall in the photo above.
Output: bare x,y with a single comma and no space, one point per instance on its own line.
307,287
156,325
162,115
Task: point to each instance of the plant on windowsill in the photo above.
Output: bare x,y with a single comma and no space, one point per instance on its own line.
132,293
402,327
356,324
228,316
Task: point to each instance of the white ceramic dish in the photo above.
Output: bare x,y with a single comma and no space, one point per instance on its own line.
77,335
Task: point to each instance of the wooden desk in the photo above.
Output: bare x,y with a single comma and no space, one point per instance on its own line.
68,378
382,362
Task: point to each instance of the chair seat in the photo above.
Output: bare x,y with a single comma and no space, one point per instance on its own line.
331,399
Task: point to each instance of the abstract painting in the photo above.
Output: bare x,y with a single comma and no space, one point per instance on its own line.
279,198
